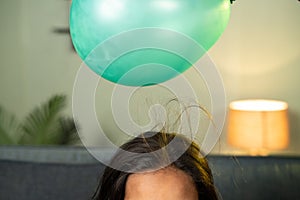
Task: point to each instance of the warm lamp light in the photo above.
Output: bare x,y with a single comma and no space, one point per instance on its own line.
258,125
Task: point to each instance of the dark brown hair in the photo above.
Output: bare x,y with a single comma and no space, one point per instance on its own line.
190,161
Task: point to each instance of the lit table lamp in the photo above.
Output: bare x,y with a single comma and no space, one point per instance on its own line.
258,125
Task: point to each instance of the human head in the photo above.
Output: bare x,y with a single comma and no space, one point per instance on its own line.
113,183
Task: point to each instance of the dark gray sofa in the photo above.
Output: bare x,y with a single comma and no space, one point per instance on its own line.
71,173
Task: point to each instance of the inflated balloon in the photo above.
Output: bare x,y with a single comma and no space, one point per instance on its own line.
132,42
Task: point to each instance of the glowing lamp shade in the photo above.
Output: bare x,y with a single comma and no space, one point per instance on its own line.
258,124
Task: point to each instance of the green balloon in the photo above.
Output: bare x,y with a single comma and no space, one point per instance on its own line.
145,42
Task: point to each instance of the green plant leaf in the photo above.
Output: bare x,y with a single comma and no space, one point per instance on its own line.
42,125
45,125
69,133
10,131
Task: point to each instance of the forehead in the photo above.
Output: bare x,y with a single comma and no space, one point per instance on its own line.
166,184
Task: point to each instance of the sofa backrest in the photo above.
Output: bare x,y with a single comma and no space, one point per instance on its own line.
33,173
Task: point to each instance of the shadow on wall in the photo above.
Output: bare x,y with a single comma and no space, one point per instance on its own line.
294,129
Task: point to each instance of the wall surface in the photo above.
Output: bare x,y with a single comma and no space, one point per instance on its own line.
35,62
258,56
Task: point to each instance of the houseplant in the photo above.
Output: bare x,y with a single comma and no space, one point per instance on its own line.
44,125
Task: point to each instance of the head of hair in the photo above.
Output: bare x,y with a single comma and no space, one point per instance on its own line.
148,158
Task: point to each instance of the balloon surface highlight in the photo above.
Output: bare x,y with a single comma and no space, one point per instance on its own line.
104,35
